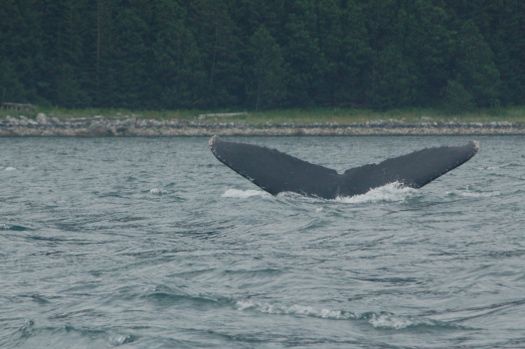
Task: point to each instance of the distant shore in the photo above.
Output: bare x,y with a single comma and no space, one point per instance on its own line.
284,123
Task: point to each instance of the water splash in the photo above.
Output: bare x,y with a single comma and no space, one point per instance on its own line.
379,320
474,194
295,309
244,194
388,193
389,321
156,191
119,339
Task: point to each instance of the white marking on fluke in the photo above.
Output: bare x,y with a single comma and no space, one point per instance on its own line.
212,141
476,145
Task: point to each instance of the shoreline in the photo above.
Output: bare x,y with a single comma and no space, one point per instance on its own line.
98,126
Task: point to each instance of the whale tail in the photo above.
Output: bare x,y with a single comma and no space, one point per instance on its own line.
277,172
412,170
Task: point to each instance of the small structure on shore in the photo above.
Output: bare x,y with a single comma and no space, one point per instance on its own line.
18,106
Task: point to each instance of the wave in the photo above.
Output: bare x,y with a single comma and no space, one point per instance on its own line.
29,335
502,166
479,195
13,227
378,320
9,168
165,295
387,193
120,339
389,321
473,194
295,309
244,194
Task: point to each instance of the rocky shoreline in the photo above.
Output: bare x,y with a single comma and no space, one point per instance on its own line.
99,126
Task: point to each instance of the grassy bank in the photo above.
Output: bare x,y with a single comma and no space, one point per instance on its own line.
281,116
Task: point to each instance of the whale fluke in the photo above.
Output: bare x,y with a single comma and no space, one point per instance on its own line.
276,172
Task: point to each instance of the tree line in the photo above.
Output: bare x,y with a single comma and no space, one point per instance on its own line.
167,54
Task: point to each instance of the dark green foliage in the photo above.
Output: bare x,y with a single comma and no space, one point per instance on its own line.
475,66
392,80
456,98
265,84
177,75
10,87
172,54
427,45
130,58
218,41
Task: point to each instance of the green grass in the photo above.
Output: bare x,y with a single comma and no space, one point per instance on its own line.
345,115
280,116
64,113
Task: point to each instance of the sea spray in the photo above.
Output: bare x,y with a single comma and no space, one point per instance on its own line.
244,194
390,192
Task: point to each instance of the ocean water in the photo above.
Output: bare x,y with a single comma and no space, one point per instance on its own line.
152,243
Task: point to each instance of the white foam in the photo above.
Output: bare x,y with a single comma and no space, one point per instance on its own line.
473,194
10,169
243,194
382,320
470,194
118,340
295,309
389,192
156,191
389,321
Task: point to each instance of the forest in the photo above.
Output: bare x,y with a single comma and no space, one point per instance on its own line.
253,54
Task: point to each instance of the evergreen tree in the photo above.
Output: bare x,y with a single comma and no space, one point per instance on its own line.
219,45
130,58
475,66
266,74
237,53
503,26
20,49
68,87
329,35
353,63
428,47
104,39
392,81
302,53
10,87
457,98
178,74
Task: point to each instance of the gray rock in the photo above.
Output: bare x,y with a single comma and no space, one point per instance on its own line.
11,121
42,119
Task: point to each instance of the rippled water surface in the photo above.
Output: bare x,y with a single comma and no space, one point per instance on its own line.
152,243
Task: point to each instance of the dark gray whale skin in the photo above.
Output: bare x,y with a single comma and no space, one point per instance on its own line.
276,172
